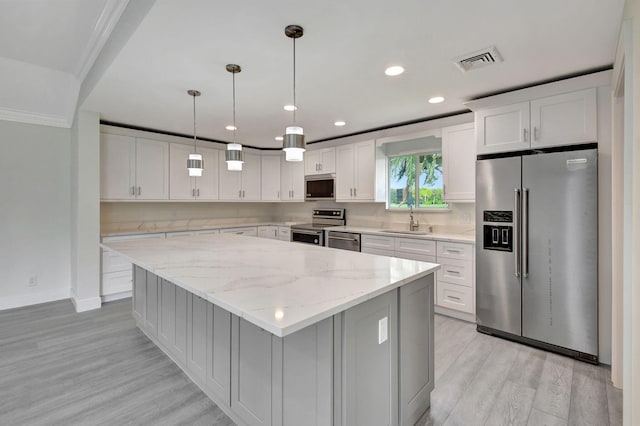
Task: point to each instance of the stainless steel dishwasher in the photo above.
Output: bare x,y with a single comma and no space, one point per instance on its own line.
343,240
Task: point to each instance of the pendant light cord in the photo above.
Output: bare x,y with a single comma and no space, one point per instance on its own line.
194,124
233,75
295,105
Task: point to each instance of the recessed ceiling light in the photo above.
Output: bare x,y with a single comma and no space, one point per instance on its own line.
436,100
230,127
278,138
339,123
290,107
394,70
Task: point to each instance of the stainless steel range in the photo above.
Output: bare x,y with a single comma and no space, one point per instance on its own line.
313,233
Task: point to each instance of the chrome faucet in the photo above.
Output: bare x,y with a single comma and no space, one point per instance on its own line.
413,224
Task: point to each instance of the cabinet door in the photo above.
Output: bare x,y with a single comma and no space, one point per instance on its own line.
230,182
139,293
370,376
152,170
219,352
197,336
344,172
181,185
503,129
251,177
292,181
167,314
364,171
251,372
459,163
564,119
271,179
207,185
117,167
284,233
328,160
151,305
312,161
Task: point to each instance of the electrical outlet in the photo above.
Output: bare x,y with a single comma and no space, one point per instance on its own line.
33,280
382,330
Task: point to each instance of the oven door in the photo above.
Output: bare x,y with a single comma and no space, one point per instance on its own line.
308,237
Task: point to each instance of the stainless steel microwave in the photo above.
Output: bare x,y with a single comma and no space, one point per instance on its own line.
320,187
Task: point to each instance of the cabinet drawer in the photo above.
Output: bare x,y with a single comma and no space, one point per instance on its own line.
377,241
113,262
459,251
416,246
284,233
456,272
116,282
207,231
454,296
378,251
416,256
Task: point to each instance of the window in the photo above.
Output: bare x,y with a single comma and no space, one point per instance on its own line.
425,191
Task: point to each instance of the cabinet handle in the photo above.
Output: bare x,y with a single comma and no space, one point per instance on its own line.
278,194
198,192
444,189
139,190
193,192
453,297
524,134
450,250
239,193
317,169
133,190
320,166
453,272
243,195
354,192
535,133
292,193
351,192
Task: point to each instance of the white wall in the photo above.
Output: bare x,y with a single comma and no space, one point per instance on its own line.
85,211
34,213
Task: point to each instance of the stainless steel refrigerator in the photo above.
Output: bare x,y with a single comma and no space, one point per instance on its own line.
537,248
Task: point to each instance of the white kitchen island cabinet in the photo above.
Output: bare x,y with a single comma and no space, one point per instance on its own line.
355,348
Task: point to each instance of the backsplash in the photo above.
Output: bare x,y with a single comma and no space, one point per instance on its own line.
147,217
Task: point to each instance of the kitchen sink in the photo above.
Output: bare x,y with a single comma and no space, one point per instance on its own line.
395,231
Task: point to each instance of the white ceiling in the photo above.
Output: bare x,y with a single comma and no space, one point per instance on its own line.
186,44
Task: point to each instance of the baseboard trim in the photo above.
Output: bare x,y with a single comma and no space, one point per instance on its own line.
88,304
455,314
33,299
116,296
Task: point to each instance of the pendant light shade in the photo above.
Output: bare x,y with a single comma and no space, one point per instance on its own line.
195,163
293,143
233,155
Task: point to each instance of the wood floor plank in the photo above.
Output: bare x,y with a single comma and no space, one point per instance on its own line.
512,406
614,403
588,390
527,369
553,395
475,404
540,418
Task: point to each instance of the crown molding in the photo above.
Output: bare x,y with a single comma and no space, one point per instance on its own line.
105,24
29,117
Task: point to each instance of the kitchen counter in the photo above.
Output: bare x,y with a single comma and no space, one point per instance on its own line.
468,237
184,225
278,286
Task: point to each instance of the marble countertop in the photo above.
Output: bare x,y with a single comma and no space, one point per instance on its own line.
279,286
467,237
185,226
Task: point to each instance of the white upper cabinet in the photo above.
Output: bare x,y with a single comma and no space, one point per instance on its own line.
569,118
459,163
117,167
503,128
244,185
291,180
320,161
270,182
185,187
355,172
134,168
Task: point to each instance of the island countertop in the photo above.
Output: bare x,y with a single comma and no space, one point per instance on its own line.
279,286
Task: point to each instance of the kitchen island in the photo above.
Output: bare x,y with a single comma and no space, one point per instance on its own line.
279,333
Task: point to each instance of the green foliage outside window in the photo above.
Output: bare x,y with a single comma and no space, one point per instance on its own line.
416,174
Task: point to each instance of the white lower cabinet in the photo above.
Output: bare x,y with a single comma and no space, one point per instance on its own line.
251,231
116,270
455,283
284,233
268,231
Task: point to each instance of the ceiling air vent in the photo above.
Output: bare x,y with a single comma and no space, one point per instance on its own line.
478,59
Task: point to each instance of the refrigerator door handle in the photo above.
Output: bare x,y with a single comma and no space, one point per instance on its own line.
516,234
525,232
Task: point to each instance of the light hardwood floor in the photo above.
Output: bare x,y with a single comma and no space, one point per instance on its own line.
62,368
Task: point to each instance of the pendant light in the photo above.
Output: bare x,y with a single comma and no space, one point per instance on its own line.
233,154
293,141
195,164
